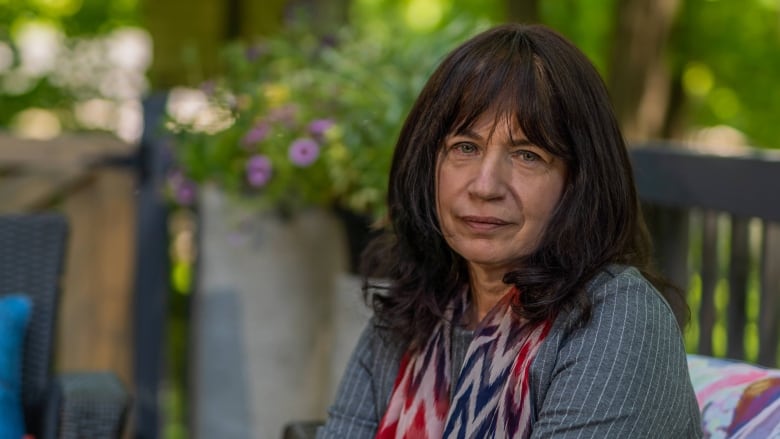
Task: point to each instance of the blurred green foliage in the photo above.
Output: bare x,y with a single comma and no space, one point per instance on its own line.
725,54
738,45
589,24
71,21
357,82
73,17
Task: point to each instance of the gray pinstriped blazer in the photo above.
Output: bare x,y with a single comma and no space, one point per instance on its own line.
623,375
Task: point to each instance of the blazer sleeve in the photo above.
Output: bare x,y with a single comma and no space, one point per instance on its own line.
362,394
622,375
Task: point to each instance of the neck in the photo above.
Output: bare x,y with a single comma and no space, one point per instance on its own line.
487,288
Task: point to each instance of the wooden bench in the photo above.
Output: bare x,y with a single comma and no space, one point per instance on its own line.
715,220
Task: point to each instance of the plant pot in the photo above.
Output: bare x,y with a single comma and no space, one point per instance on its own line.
262,332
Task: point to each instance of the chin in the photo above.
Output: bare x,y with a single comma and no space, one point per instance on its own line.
506,262
487,261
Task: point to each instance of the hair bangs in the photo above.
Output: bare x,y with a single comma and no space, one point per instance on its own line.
516,88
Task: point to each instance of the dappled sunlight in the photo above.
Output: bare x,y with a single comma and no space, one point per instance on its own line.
96,113
190,106
59,7
39,44
115,82
719,139
36,123
130,48
697,79
17,83
425,14
123,118
105,75
692,331
129,123
183,249
724,103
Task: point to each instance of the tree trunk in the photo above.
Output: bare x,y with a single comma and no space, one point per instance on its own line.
187,51
639,78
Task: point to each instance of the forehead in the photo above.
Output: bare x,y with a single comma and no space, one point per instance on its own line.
490,124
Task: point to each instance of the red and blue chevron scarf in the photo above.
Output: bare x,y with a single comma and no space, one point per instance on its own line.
491,396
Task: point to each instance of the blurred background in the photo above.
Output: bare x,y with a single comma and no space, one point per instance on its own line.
220,163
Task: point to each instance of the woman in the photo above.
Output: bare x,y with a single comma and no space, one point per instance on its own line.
519,303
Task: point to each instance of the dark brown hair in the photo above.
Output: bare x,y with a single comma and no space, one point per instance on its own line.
557,97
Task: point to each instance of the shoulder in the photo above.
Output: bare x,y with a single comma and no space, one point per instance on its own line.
364,390
622,289
376,349
625,366
623,303
630,322
379,355
623,282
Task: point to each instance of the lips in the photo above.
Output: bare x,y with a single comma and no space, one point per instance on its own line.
485,220
484,223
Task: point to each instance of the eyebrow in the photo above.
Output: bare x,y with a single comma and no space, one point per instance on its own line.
515,142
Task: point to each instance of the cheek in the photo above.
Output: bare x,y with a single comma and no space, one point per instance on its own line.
446,207
443,209
543,199
552,203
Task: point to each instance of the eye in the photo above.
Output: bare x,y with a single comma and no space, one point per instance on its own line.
527,156
464,148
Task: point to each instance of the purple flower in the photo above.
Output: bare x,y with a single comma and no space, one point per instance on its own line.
258,170
185,193
303,152
319,127
183,189
257,134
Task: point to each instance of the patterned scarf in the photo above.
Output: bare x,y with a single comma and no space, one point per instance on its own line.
491,397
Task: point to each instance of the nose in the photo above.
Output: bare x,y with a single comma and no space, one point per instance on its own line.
489,181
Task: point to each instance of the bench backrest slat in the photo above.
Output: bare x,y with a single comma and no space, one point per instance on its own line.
691,196
739,267
769,315
709,280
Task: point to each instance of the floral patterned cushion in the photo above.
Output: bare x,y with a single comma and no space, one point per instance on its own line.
736,399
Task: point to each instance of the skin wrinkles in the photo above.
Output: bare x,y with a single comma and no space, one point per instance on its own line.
495,193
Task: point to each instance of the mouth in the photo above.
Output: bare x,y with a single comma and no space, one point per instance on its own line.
484,223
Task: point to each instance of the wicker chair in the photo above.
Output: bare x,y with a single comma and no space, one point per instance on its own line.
74,405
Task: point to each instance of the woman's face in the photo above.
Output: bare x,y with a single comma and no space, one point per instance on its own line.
495,193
